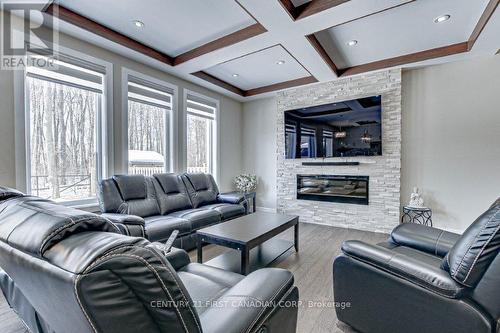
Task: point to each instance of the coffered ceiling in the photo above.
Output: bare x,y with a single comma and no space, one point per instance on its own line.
251,48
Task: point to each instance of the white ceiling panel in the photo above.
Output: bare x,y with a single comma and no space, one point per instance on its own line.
170,26
297,3
403,30
259,69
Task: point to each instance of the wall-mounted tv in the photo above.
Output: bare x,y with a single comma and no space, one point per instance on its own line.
342,129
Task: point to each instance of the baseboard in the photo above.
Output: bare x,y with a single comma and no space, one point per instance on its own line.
266,209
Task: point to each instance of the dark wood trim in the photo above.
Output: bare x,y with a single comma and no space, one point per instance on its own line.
322,53
282,85
498,52
309,8
98,29
407,59
218,82
488,12
234,38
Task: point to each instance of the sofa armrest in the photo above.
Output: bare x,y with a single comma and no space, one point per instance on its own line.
246,306
231,197
178,258
427,239
428,276
131,225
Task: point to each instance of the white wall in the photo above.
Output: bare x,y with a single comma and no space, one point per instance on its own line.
230,114
259,147
451,138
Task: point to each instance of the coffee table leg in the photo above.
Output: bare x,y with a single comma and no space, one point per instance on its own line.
245,258
199,250
296,237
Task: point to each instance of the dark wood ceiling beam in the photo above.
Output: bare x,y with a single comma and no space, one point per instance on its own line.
236,37
218,82
309,8
407,59
256,91
282,85
98,29
322,53
488,12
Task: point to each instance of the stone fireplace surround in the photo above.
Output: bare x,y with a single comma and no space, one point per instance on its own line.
382,213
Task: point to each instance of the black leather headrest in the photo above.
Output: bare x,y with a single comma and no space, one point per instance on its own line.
199,181
131,187
169,182
33,225
7,193
472,254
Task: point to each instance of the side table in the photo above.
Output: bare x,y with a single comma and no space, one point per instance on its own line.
421,215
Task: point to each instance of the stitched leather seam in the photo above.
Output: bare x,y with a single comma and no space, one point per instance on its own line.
455,272
175,281
152,269
480,253
80,303
437,242
270,300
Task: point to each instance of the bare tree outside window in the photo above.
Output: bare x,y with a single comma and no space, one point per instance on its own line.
63,127
199,143
146,138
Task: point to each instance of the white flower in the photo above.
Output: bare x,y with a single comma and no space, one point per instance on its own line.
246,182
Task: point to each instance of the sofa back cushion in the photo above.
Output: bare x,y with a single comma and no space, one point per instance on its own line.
128,194
171,193
473,253
201,188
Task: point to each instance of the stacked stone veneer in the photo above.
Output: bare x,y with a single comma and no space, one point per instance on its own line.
382,213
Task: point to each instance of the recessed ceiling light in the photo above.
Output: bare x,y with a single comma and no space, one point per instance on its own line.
352,42
442,18
236,75
281,62
138,24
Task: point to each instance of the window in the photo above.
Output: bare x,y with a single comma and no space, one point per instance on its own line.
307,142
64,110
327,143
149,112
201,139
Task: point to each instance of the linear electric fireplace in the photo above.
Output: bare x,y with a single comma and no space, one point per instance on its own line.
333,188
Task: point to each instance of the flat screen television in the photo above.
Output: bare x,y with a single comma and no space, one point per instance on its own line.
341,129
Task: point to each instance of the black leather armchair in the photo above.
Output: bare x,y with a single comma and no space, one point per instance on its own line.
65,270
423,280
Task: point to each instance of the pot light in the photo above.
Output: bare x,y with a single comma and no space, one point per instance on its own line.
352,42
442,18
281,62
236,75
138,24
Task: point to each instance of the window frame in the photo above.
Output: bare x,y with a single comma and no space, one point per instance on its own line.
215,149
104,127
171,120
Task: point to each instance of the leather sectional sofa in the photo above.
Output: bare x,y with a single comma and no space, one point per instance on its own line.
423,280
65,270
155,206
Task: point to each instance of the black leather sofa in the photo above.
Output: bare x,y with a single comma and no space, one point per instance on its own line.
66,270
423,280
155,206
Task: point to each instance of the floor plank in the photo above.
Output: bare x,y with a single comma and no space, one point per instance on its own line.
311,266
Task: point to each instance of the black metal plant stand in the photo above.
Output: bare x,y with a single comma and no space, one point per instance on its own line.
421,215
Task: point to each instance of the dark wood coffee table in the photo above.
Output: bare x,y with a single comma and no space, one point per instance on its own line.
251,236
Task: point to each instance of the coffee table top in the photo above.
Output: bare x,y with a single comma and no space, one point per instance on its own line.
251,229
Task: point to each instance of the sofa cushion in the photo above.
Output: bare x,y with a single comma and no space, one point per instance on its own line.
159,228
201,188
131,186
199,218
227,211
205,283
171,193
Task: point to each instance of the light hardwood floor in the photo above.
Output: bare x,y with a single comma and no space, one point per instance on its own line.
311,266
